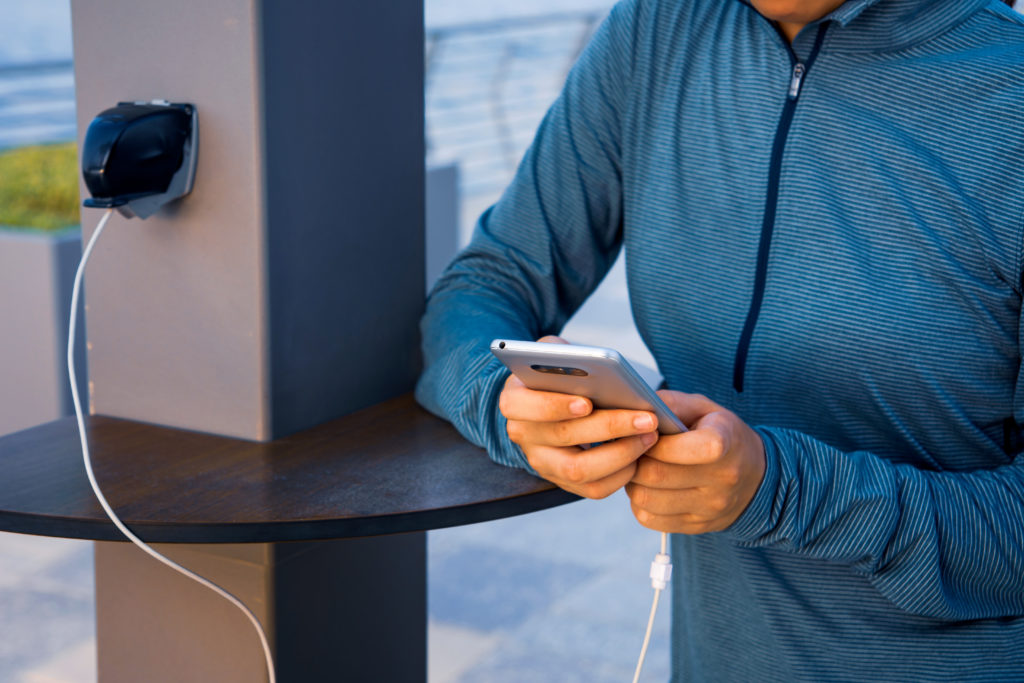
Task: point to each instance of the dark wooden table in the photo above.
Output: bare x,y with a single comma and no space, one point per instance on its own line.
390,469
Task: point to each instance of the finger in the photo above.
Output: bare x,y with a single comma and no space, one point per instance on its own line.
603,488
701,503
678,524
688,407
599,426
552,339
576,467
518,402
706,444
654,473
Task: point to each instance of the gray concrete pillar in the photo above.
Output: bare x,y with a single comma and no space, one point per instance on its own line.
334,611
36,273
283,292
286,289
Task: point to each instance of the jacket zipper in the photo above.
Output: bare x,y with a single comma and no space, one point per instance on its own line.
796,80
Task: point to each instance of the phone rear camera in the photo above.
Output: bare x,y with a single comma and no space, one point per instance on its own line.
558,370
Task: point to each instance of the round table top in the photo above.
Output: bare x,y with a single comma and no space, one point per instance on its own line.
391,468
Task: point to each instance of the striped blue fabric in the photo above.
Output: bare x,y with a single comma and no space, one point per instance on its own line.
883,367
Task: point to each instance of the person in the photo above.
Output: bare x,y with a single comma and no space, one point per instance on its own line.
822,210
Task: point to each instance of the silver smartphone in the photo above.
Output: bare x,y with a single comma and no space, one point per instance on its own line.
600,374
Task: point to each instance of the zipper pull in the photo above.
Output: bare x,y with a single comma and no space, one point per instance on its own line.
795,81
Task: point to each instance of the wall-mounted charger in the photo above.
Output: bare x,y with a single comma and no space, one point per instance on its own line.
139,156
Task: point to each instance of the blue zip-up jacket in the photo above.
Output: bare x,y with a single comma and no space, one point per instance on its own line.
827,239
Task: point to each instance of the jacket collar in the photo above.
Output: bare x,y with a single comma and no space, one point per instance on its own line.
888,25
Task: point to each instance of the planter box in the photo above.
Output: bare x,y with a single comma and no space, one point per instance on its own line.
37,271
441,222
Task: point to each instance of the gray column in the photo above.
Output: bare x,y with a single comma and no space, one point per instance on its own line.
283,292
36,271
350,610
286,289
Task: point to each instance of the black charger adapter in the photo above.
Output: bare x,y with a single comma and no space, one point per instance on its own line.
139,156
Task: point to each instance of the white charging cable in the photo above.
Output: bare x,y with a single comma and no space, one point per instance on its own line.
92,478
661,574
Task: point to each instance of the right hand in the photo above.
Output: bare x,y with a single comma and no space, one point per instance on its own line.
554,430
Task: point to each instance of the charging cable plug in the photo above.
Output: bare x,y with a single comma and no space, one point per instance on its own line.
661,574
661,571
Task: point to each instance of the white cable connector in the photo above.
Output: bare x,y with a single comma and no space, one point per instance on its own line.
264,641
661,571
661,574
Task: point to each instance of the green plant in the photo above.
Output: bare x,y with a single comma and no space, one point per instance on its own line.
39,186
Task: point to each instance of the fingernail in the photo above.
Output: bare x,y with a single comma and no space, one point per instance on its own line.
648,439
643,422
578,407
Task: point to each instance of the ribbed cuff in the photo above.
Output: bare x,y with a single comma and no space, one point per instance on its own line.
756,520
513,454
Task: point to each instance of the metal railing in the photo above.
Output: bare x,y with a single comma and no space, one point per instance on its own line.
37,103
488,84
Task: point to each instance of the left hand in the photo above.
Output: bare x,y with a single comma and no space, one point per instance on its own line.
701,480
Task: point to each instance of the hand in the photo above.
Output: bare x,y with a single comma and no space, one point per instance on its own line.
701,480
554,429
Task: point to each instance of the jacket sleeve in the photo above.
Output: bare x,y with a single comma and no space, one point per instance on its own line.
540,251
940,544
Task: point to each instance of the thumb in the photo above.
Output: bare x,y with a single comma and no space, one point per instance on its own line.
552,339
689,408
